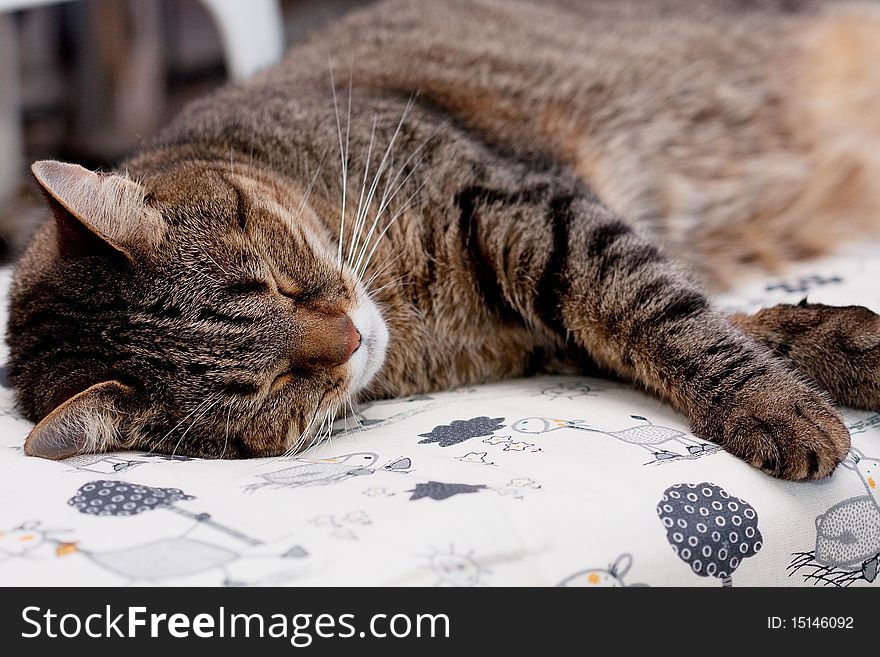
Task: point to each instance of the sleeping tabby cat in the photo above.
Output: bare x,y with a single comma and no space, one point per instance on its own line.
484,189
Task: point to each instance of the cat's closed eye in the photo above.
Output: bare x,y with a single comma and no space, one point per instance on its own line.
282,380
248,287
297,294
242,389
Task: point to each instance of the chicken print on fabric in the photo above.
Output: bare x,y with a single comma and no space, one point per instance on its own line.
646,435
153,562
27,540
324,472
106,464
113,464
848,534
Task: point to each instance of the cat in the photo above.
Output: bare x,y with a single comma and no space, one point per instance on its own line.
433,194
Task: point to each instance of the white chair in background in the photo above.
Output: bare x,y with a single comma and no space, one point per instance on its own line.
252,33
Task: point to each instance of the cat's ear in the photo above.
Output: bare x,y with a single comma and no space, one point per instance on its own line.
94,211
87,423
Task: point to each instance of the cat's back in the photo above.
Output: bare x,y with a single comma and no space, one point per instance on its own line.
700,120
546,75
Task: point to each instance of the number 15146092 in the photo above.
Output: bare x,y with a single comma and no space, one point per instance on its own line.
810,623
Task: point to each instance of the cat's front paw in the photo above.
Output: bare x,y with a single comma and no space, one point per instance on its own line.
838,347
782,427
845,353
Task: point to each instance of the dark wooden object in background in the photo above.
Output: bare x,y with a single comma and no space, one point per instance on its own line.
98,78
118,49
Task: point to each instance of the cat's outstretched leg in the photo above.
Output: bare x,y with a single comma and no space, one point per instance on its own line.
838,347
583,272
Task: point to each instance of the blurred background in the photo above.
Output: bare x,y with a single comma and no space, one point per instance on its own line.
89,81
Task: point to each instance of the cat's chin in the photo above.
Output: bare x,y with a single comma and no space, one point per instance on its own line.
367,360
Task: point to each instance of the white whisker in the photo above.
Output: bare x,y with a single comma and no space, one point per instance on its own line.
205,275
170,431
320,433
387,285
360,207
387,265
208,407
382,165
330,428
384,204
360,272
343,156
290,451
358,425
226,434
216,264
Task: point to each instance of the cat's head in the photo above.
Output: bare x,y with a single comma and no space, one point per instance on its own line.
197,311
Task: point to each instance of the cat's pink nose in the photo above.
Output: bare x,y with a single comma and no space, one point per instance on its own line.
328,338
341,340
354,338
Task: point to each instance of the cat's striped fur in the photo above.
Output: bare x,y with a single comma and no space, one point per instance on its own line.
519,182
